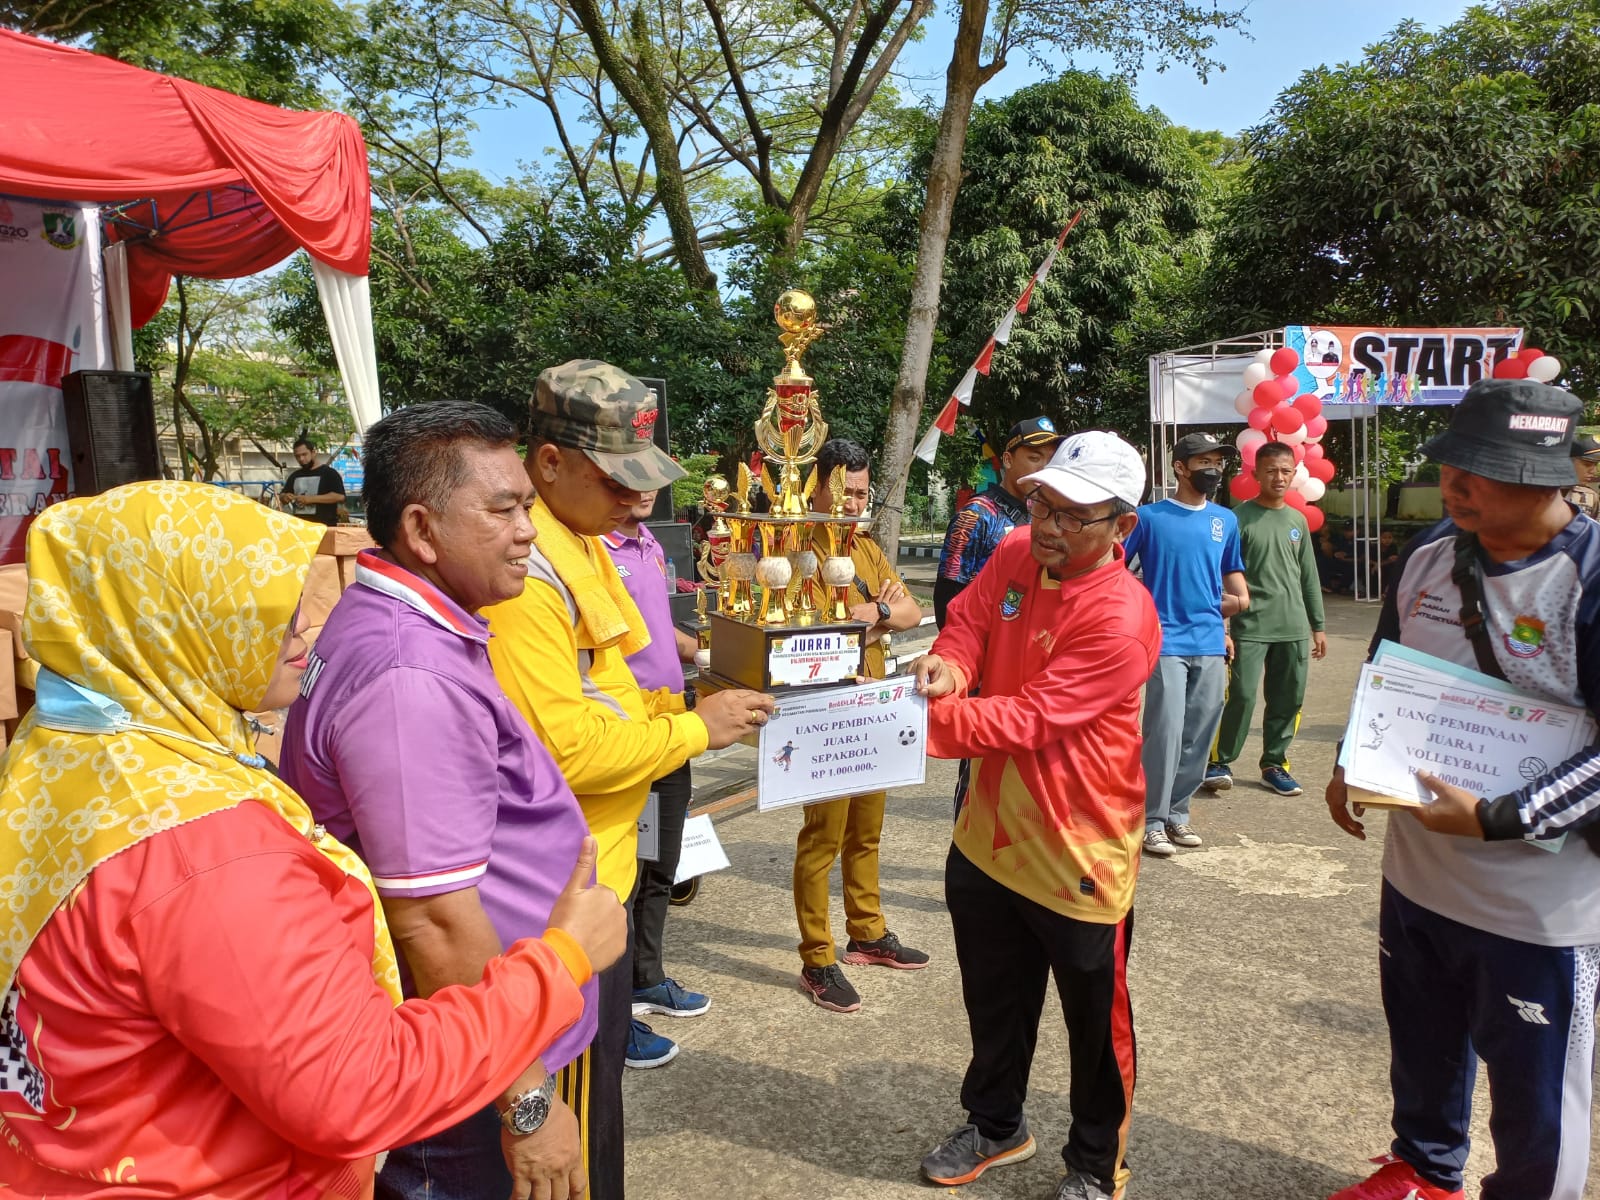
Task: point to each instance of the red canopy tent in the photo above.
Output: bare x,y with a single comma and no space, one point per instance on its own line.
194,181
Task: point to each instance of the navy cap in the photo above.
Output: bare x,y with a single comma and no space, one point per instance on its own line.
1035,431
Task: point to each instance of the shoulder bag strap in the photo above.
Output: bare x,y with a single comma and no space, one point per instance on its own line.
1465,575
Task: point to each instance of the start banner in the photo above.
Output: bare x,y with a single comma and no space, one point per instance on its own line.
1354,364
52,321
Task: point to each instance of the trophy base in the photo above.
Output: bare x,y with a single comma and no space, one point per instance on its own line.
780,658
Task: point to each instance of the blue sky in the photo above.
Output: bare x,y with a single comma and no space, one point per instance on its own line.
1284,39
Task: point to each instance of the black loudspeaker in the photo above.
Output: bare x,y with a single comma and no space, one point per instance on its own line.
111,429
677,542
662,512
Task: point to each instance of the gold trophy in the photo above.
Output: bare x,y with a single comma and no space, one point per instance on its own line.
789,640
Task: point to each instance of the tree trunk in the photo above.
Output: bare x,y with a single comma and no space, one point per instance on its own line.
180,369
965,75
644,91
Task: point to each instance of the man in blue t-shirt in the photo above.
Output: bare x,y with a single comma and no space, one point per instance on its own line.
1188,551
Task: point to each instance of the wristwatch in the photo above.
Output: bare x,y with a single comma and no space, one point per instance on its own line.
883,613
527,1111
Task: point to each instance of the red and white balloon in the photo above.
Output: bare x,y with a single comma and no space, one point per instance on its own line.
1275,414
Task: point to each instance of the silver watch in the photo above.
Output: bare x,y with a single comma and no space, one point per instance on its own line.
527,1111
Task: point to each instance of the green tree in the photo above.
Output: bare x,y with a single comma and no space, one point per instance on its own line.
453,320
709,125
227,379
1033,159
1450,177
1173,30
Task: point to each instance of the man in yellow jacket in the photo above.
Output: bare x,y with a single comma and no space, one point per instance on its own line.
560,650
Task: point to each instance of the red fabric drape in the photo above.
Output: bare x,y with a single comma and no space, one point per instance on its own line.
76,126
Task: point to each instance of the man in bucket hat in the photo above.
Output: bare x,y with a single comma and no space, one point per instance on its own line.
560,650
1491,946
1045,852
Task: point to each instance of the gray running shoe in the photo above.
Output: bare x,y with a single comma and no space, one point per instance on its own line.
1078,1186
966,1154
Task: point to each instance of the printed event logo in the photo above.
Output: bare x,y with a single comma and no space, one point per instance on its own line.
61,229
10,231
1216,529
1011,604
1294,533
1526,639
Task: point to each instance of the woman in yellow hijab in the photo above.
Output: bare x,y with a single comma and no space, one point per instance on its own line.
199,994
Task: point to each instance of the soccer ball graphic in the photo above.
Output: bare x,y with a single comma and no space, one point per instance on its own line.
907,736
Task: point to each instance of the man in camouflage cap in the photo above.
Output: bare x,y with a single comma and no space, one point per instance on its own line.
560,653
592,406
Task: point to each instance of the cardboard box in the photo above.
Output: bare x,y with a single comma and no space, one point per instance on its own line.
322,589
345,540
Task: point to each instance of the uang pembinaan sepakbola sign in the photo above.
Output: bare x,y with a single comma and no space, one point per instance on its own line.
841,742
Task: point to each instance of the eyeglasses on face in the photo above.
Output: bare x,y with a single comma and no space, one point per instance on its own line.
1067,522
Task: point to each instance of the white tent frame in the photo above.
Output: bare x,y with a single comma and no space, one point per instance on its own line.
1195,386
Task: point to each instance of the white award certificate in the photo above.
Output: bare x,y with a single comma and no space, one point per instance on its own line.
1406,718
842,741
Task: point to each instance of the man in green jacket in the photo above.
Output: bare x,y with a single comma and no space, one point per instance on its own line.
1277,635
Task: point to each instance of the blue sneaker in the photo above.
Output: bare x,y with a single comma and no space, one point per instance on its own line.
1280,781
1218,778
647,1048
670,999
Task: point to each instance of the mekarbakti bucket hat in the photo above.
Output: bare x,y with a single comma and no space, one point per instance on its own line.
1512,431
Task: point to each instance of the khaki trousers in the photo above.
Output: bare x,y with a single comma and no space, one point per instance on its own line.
848,829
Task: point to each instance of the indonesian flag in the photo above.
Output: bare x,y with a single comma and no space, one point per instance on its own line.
963,390
1002,331
944,423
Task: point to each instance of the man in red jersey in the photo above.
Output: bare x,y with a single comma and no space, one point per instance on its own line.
1061,638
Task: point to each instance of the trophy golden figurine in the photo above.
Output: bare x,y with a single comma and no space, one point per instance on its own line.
791,427
714,493
702,625
786,640
838,569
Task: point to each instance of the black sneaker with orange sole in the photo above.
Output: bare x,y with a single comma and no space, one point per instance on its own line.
829,989
884,952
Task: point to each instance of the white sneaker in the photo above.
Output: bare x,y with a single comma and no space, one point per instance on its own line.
1155,842
1184,835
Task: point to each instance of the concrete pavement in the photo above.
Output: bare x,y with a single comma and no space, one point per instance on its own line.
1262,1048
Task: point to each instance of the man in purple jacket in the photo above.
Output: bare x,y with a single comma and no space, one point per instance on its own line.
643,566
407,750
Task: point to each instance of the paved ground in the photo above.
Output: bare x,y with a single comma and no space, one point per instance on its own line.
1262,1052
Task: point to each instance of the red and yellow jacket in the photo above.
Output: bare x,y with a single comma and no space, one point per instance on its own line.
1056,807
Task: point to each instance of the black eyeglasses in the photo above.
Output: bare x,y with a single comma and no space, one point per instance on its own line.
1065,521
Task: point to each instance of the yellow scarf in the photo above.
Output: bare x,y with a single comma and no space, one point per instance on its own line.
172,599
607,615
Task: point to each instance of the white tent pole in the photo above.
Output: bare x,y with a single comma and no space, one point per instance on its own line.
347,306
115,259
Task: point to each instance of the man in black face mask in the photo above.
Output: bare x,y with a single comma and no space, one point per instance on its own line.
1188,550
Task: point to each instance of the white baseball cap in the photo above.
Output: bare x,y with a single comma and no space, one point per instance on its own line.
1091,468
